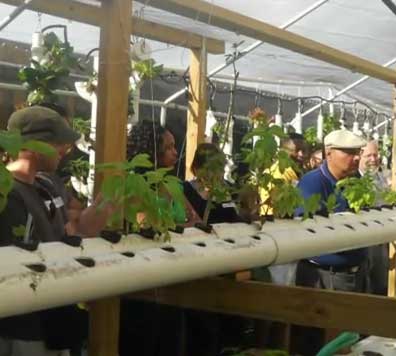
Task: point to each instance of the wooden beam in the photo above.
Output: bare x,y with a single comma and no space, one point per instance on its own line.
91,15
206,12
104,324
111,131
363,313
392,251
196,115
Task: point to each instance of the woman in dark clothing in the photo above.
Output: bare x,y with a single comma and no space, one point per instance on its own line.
150,329
209,160
207,334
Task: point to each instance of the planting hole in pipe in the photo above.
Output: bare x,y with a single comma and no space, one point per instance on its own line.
330,227
256,237
391,219
349,227
37,267
200,244
312,231
363,223
230,241
86,261
128,254
169,249
378,222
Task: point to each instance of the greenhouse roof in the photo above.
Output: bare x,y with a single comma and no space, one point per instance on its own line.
362,28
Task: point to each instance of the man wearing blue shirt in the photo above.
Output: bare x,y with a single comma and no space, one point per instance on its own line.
339,271
344,271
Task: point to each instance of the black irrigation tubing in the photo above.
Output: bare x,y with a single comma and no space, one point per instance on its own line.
214,89
391,5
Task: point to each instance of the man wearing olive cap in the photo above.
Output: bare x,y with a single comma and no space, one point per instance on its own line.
339,271
42,213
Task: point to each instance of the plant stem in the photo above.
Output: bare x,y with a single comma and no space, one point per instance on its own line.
208,207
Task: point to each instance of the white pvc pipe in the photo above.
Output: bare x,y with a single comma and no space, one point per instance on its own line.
232,247
348,88
14,14
319,129
246,51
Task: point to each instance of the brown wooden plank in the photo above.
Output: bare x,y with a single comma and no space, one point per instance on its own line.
104,327
392,251
206,12
91,15
196,116
367,314
113,84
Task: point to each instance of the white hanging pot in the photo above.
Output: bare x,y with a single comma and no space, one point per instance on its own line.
84,91
140,51
80,187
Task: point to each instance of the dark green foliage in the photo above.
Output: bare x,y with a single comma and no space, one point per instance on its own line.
42,78
152,193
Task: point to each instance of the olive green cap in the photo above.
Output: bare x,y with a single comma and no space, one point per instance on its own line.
42,124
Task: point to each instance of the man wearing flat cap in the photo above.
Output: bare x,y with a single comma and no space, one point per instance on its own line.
37,213
338,271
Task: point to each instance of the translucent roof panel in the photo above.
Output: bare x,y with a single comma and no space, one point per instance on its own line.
362,28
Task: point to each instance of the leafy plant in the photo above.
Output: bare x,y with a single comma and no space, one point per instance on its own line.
262,158
11,142
330,123
210,175
42,78
141,71
152,193
285,198
359,192
389,196
81,125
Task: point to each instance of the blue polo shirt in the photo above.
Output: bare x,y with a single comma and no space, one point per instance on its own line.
320,181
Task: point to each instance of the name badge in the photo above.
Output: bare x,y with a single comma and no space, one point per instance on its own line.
58,201
230,204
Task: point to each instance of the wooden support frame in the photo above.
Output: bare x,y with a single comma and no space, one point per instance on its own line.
220,17
91,15
364,313
392,250
196,116
111,132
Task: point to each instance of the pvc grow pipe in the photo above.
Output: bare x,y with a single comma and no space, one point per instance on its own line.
137,264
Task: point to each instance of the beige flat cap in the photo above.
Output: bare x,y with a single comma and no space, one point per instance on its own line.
343,139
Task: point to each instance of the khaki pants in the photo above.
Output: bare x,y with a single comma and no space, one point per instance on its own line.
27,348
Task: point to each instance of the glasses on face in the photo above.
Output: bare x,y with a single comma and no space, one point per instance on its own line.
350,151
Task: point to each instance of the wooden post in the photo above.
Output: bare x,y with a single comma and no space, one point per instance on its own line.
113,82
196,116
392,251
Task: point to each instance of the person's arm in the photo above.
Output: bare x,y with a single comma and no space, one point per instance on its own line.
91,220
13,216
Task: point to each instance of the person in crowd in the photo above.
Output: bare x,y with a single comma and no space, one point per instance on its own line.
26,206
378,255
159,143
152,329
197,191
295,147
370,163
315,158
344,271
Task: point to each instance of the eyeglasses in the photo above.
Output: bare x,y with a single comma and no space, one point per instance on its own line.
350,151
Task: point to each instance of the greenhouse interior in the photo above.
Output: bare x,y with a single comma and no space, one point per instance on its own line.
197,177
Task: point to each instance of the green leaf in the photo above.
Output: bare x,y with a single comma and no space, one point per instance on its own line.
331,203
11,142
39,147
311,205
141,160
19,231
